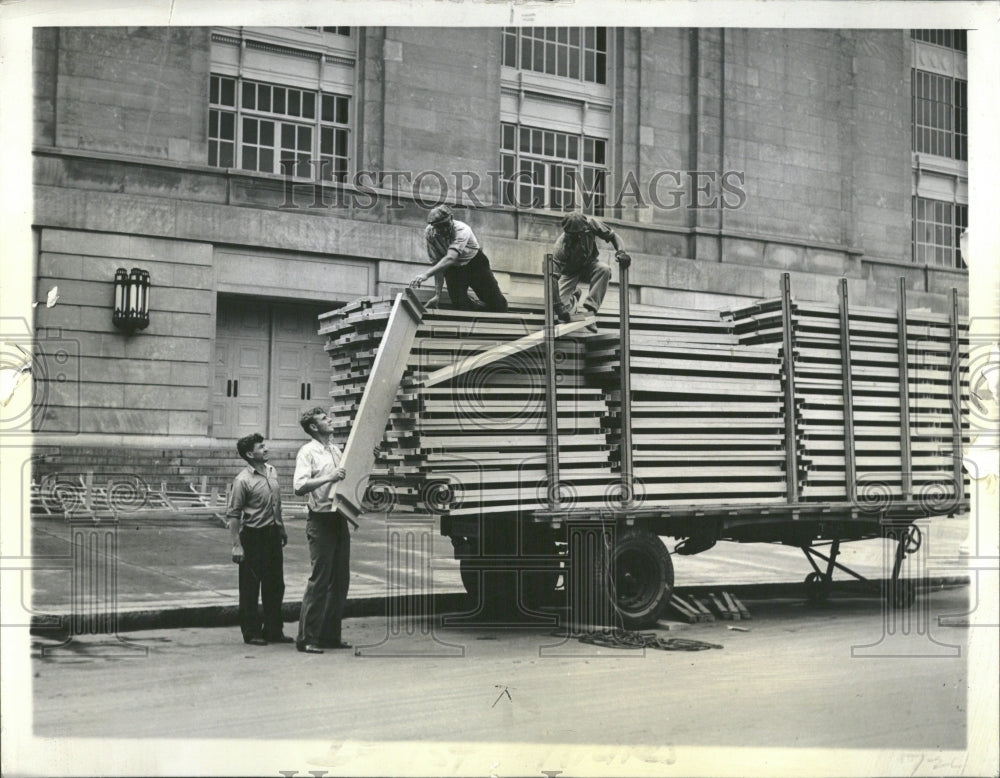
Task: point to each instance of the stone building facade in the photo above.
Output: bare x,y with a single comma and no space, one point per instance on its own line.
264,175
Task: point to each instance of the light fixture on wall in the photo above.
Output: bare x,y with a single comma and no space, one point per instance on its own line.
131,300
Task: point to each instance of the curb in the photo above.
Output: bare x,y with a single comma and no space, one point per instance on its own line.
56,626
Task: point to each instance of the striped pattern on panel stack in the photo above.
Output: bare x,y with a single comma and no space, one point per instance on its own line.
877,412
707,420
474,444
709,409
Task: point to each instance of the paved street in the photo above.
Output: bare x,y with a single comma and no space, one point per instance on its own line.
836,676
183,562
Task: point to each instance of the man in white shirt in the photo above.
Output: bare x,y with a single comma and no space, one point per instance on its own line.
317,470
459,260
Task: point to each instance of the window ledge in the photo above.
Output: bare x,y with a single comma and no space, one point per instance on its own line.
916,265
527,80
931,163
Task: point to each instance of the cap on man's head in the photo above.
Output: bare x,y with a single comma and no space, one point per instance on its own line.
575,223
438,214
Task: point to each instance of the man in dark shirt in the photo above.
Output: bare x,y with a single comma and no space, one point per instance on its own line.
258,534
576,258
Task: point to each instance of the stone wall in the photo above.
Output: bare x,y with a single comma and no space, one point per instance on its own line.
816,122
154,382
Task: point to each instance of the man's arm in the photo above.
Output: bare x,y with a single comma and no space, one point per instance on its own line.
278,518
304,481
233,516
438,289
621,254
450,258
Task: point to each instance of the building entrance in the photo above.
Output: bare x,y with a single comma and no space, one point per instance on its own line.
269,366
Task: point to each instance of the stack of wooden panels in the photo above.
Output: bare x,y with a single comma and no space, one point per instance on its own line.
708,409
474,444
707,423
877,408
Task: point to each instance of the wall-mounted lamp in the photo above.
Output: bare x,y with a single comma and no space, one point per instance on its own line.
131,300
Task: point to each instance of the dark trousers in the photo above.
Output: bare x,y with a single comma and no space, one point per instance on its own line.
326,592
261,575
477,274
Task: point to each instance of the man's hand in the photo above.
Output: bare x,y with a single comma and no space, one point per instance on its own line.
418,280
284,537
338,475
623,258
237,553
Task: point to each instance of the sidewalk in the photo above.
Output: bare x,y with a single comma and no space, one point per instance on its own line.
176,570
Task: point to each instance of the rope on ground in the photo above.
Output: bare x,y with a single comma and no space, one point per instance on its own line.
627,639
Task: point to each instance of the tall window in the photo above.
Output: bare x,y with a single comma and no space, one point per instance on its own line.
345,31
940,111
950,39
271,128
579,53
937,228
560,171
940,144
556,118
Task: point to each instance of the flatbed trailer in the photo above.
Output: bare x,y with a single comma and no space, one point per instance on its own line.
557,463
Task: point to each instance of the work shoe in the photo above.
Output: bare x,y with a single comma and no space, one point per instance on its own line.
563,315
281,639
308,648
255,641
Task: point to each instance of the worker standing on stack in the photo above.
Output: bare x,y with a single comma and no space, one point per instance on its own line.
576,259
460,261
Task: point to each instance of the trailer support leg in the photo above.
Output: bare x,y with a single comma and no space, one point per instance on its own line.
901,593
819,581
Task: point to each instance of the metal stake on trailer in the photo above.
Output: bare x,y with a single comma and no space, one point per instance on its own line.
848,385
904,397
791,441
628,494
551,401
956,404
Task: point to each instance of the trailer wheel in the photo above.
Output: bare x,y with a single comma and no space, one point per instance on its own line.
643,578
817,587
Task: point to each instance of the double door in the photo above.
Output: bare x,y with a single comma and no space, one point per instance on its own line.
269,366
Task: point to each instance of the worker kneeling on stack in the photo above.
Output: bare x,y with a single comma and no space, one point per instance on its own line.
576,260
460,261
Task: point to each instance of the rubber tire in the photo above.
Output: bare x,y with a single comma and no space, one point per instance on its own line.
817,587
643,578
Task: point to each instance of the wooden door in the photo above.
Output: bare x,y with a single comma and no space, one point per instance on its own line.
242,370
301,373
